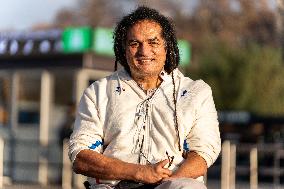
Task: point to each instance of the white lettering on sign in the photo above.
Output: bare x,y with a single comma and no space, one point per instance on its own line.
3,46
44,46
76,42
14,46
28,47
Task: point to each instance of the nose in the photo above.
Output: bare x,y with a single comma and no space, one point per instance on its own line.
145,50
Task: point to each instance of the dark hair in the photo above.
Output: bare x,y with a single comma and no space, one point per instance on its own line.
168,33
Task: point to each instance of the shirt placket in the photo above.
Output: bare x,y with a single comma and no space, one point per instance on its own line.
146,127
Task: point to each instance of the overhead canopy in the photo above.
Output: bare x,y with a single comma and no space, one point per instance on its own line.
68,41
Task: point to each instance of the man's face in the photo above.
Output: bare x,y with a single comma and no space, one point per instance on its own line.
145,49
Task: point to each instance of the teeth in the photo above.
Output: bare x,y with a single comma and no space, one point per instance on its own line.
145,60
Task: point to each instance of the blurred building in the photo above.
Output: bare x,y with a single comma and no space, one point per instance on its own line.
41,74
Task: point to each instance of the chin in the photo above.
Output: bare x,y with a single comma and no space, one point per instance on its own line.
148,73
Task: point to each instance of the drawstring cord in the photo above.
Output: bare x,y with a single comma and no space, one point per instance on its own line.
175,113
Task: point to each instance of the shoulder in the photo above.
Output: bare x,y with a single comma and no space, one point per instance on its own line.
200,86
105,86
104,81
197,88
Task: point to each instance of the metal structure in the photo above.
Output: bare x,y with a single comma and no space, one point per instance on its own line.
230,169
1,161
40,80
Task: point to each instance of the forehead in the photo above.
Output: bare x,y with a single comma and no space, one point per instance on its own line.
145,29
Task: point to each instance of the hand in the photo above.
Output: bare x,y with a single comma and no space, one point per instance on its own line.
172,177
154,173
194,166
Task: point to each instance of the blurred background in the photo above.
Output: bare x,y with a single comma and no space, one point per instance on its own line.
50,51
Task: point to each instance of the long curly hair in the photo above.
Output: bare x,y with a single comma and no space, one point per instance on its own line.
168,33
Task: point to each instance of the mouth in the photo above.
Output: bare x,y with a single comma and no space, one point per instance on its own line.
145,60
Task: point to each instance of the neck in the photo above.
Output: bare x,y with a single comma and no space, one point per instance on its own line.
148,83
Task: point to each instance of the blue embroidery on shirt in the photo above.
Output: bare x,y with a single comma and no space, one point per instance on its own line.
185,146
184,92
119,89
96,144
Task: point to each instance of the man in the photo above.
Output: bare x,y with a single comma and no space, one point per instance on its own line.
146,125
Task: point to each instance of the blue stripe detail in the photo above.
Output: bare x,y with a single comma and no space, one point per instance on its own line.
96,144
185,146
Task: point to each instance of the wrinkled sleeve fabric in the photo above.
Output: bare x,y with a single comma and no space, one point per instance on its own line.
88,131
204,137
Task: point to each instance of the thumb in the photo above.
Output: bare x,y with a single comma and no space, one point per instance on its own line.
163,163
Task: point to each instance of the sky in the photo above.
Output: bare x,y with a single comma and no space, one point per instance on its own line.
23,14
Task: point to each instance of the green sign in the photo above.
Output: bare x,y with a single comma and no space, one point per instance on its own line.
184,51
77,39
103,41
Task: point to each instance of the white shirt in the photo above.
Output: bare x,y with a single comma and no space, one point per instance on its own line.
116,118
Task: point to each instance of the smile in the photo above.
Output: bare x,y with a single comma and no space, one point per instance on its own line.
145,60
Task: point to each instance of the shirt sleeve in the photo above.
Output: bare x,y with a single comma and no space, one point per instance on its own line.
88,131
204,137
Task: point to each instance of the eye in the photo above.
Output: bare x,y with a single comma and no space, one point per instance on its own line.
134,44
154,43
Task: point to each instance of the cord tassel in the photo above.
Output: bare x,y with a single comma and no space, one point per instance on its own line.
175,113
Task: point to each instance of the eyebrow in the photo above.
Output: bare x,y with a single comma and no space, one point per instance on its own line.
154,39
151,39
132,40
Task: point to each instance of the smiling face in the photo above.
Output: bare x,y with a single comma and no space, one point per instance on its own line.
145,49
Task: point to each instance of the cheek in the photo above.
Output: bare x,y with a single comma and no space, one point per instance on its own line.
161,51
162,55
130,54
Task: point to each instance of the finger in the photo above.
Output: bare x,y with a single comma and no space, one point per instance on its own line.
167,171
165,176
162,163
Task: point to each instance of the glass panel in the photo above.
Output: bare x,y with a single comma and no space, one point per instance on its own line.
29,98
5,91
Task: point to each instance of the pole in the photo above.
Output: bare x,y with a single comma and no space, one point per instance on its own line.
225,167
67,167
14,110
1,161
253,169
46,95
232,166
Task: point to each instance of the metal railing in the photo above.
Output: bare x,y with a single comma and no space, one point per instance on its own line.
1,162
228,165
229,168
69,178
67,168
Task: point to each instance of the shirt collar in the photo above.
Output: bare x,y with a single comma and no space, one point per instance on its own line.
124,75
164,75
